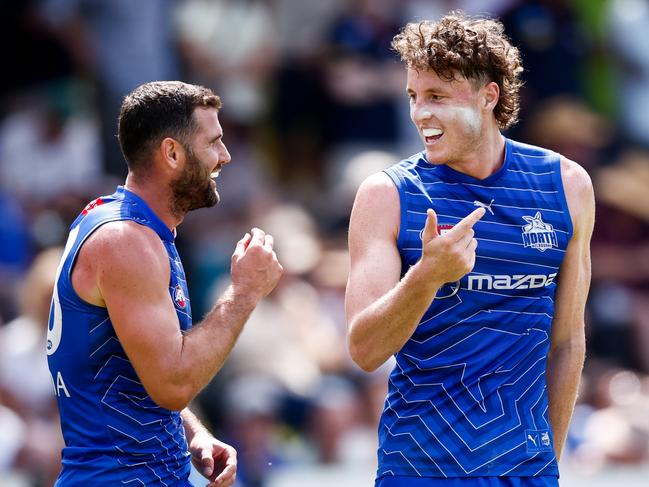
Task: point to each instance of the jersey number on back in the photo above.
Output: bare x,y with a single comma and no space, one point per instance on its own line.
55,326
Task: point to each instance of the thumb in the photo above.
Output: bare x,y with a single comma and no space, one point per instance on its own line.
242,245
207,463
430,229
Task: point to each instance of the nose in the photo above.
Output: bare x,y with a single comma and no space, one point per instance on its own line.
224,155
421,113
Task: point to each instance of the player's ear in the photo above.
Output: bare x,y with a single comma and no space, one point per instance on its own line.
172,152
490,95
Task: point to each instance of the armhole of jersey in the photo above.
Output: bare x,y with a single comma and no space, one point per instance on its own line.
561,193
399,183
72,259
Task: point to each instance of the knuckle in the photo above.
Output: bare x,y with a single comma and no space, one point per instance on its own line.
255,250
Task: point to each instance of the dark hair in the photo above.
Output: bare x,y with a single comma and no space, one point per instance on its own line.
157,110
476,48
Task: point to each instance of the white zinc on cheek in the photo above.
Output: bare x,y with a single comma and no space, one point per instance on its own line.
468,116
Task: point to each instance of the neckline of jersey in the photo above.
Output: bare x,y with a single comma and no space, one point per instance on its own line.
451,175
158,225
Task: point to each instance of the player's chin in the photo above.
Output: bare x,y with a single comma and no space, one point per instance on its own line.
206,199
434,155
211,199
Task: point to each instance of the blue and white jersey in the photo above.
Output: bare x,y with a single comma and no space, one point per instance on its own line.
468,394
114,433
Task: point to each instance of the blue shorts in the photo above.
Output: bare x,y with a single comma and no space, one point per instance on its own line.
403,481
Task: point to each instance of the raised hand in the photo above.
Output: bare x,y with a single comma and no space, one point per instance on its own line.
446,258
254,266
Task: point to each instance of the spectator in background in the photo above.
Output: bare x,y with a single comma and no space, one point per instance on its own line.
15,251
230,45
122,44
25,382
628,28
34,54
618,329
50,159
620,304
363,82
424,9
251,406
51,147
552,45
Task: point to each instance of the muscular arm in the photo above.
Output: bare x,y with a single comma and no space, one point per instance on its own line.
567,341
124,267
383,310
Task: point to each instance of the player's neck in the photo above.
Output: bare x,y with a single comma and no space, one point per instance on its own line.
157,197
485,159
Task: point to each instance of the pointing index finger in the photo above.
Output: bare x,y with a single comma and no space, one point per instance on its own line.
467,222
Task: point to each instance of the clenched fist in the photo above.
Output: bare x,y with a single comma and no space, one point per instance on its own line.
254,266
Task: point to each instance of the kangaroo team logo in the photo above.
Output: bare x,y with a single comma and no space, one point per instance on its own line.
538,234
179,296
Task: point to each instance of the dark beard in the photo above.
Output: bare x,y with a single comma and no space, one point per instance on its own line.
194,187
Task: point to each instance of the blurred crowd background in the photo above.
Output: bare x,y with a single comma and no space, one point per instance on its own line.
314,101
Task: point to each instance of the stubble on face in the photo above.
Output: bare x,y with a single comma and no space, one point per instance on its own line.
194,188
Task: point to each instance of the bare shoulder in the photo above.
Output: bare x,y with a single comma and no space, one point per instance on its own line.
120,250
578,188
575,178
378,184
377,204
125,241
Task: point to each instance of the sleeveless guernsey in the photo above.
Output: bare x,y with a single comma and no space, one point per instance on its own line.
114,433
467,397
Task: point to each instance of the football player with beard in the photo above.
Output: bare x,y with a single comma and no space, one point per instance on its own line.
124,357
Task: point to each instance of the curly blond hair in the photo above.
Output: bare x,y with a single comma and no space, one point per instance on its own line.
476,48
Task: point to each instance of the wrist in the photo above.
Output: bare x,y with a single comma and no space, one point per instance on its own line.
423,280
191,423
243,296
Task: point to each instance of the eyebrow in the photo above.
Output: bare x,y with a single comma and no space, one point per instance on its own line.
217,137
429,90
